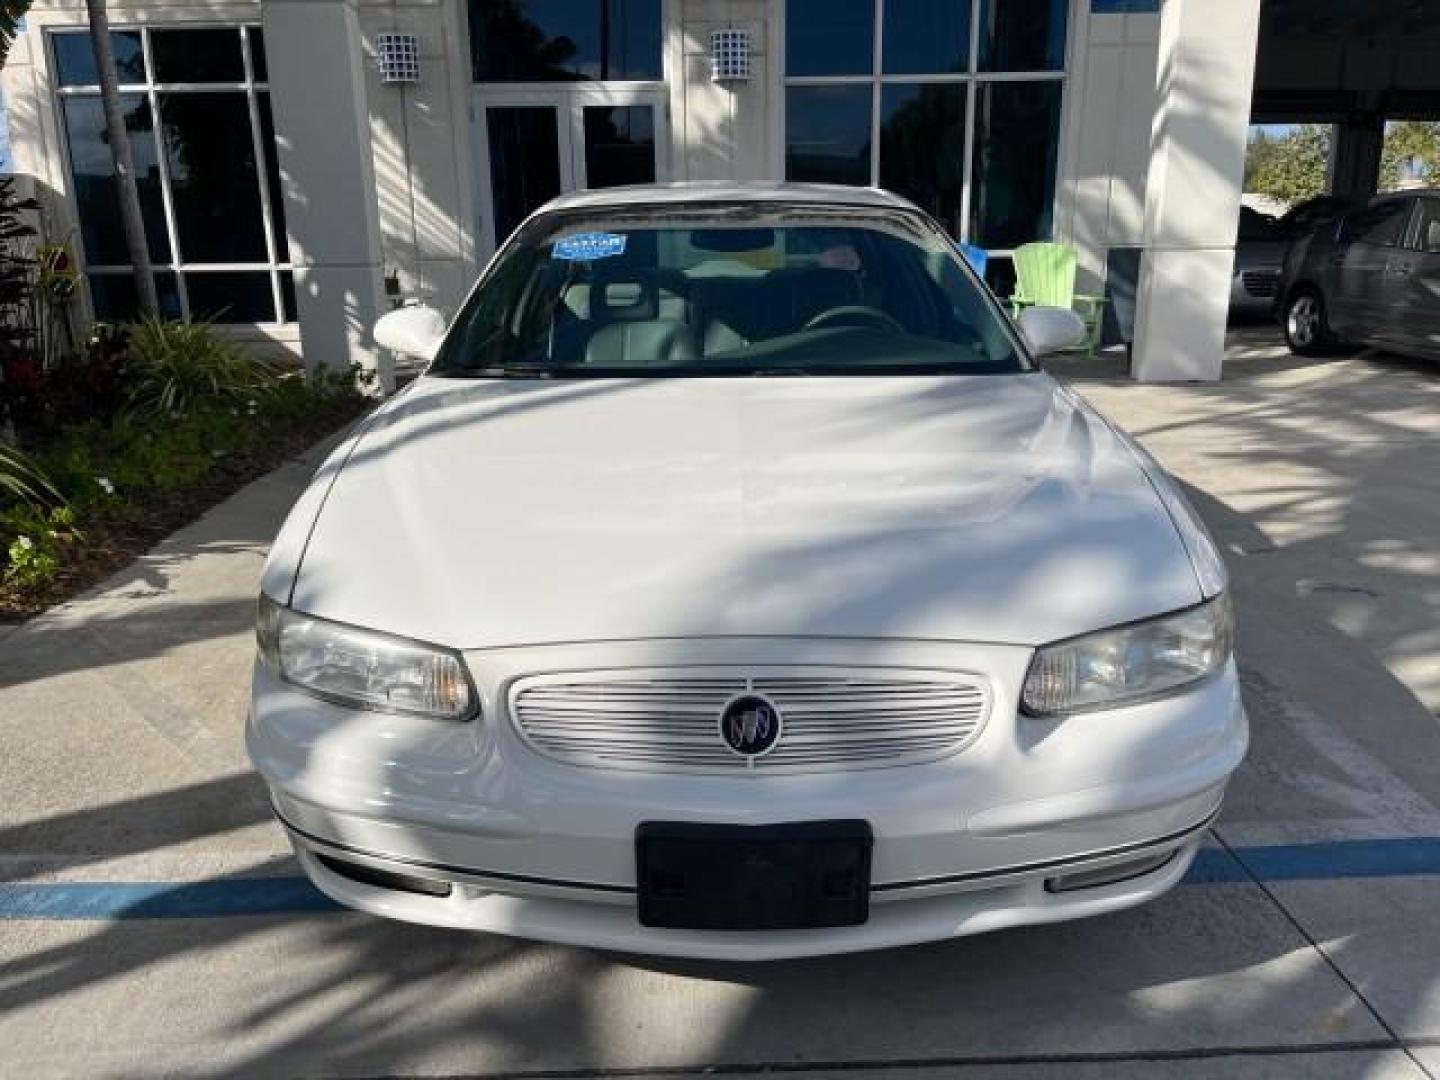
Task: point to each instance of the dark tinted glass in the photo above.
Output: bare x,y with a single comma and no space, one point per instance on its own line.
926,36
114,296
272,177
619,145
564,40
922,147
198,56
1426,234
1022,35
524,163
1382,224
258,67
231,297
287,294
1017,133
827,134
211,161
830,37
96,193
75,58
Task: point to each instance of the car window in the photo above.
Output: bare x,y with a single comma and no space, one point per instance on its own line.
1425,231
1381,223
732,290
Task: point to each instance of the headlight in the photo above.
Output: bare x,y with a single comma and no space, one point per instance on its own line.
361,667
1130,663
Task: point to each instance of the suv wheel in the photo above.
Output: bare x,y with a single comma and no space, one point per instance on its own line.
1307,329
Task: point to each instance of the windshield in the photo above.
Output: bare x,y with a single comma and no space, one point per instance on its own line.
728,291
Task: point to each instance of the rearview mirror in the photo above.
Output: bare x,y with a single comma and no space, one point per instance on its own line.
1051,329
415,331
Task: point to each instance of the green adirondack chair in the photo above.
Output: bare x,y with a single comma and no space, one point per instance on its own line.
1045,277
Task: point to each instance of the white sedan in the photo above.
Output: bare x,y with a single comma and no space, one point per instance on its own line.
732,584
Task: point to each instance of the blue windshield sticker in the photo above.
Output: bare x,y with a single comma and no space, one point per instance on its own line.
582,247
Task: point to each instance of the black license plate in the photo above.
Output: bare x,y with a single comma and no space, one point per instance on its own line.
797,876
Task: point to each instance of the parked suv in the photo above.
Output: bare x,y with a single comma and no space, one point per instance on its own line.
1371,277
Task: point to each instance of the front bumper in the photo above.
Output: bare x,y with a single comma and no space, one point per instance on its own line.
536,848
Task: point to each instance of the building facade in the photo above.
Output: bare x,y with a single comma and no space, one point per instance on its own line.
303,163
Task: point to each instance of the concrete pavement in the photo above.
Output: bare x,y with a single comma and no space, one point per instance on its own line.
120,724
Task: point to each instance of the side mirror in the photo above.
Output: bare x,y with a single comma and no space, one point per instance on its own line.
1051,329
414,331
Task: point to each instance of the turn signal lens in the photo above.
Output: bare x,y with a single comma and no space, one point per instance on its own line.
1130,663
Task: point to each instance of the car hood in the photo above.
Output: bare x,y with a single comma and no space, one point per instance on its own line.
1260,254
985,508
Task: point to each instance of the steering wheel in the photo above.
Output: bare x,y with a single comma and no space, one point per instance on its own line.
853,314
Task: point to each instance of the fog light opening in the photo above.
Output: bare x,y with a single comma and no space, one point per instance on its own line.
383,879
1109,875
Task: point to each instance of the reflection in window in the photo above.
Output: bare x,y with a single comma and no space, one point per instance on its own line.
113,296
565,40
949,90
213,183
922,147
93,170
1022,35
829,37
1017,135
827,134
926,36
524,162
619,145
75,58
205,153
197,56
226,297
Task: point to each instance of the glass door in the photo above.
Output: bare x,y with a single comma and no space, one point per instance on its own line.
537,143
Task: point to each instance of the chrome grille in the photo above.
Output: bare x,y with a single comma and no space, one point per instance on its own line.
830,718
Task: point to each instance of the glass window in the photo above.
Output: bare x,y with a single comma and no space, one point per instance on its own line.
922,147
203,156
1022,35
92,169
287,295
75,58
1426,236
1017,136
197,56
210,159
691,291
230,296
926,37
565,40
524,162
258,66
969,115
1381,224
827,134
619,145
829,37
114,296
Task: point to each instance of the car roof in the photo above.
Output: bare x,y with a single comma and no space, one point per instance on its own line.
681,193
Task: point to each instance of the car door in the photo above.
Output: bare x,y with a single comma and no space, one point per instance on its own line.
1359,302
1413,277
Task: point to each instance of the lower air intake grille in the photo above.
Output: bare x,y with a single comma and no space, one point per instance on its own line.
830,719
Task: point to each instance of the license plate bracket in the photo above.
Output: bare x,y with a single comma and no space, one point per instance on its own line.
794,876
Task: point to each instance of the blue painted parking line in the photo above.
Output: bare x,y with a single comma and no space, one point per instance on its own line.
228,897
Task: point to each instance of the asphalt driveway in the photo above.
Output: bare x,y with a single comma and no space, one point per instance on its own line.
151,922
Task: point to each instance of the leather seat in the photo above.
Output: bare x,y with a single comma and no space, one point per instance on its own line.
630,329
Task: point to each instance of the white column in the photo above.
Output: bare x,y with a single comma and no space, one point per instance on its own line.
322,132
1193,185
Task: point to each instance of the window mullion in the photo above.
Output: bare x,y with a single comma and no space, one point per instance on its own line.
972,91
167,198
262,176
877,60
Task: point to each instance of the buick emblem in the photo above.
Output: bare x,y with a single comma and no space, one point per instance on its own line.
750,725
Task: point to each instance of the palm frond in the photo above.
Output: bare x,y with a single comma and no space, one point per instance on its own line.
11,14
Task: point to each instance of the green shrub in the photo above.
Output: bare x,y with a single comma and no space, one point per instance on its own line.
37,540
21,480
175,366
